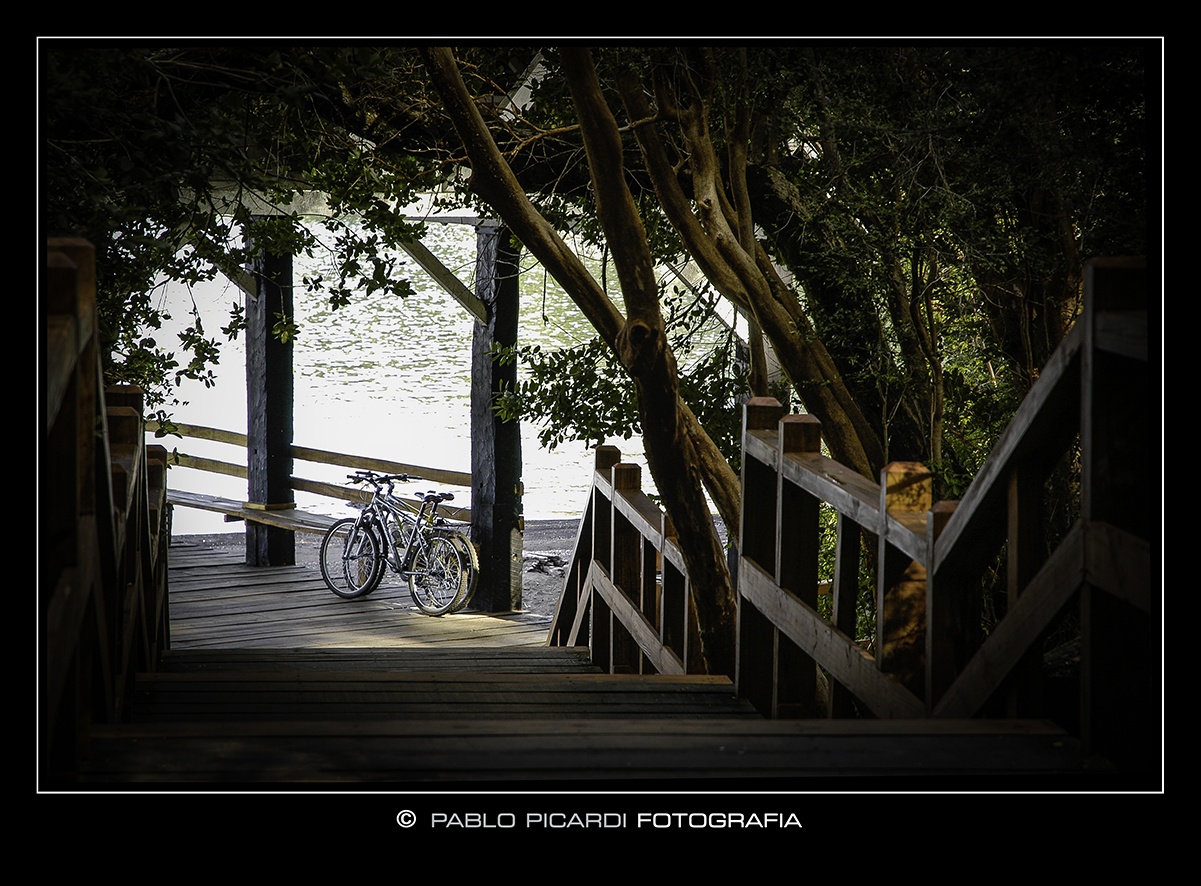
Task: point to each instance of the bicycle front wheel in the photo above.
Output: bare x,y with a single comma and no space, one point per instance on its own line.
377,531
437,580
350,559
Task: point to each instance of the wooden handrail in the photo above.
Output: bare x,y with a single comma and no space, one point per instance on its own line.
1082,394
785,478
298,521
317,456
626,589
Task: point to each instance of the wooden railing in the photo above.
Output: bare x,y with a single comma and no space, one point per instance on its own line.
294,518
626,593
102,559
927,656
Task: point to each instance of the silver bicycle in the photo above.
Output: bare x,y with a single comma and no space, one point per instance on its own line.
438,561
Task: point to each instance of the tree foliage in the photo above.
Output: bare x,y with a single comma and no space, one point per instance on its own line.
182,163
557,381
946,197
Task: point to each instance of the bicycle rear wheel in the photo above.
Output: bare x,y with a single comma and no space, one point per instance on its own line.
350,559
471,566
438,580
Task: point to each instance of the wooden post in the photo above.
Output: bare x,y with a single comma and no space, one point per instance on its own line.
625,558
604,458
952,611
846,595
797,542
901,581
678,613
1025,554
757,533
497,521
269,393
651,598
68,598
756,638
597,635
1121,643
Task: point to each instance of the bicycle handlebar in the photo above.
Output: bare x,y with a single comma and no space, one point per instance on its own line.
379,480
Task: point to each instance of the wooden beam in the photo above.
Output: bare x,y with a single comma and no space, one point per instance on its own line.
641,630
292,519
304,453
417,472
848,491
446,279
834,651
1049,402
1119,563
1044,598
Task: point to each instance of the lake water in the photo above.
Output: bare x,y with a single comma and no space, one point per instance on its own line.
383,377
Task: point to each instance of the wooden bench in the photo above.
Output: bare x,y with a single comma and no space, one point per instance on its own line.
293,519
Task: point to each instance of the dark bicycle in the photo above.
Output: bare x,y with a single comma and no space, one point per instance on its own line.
439,562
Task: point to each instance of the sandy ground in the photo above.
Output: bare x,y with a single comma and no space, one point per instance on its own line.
547,547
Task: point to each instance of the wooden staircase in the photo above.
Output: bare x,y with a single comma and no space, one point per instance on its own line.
529,717
440,709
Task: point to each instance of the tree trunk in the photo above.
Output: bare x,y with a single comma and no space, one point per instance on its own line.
720,239
679,453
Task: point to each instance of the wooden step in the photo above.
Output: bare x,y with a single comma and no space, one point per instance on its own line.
719,753
482,659
227,695
501,716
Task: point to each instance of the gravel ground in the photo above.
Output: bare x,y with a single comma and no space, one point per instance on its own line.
547,548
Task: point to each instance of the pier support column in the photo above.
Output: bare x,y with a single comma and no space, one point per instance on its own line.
497,523
269,423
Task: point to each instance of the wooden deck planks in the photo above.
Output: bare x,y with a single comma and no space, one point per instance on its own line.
217,601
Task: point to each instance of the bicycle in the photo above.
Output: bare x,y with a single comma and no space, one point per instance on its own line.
439,562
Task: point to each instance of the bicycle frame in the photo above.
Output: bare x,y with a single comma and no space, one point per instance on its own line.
400,559
383,507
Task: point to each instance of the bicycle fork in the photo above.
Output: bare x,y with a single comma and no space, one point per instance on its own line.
353,553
